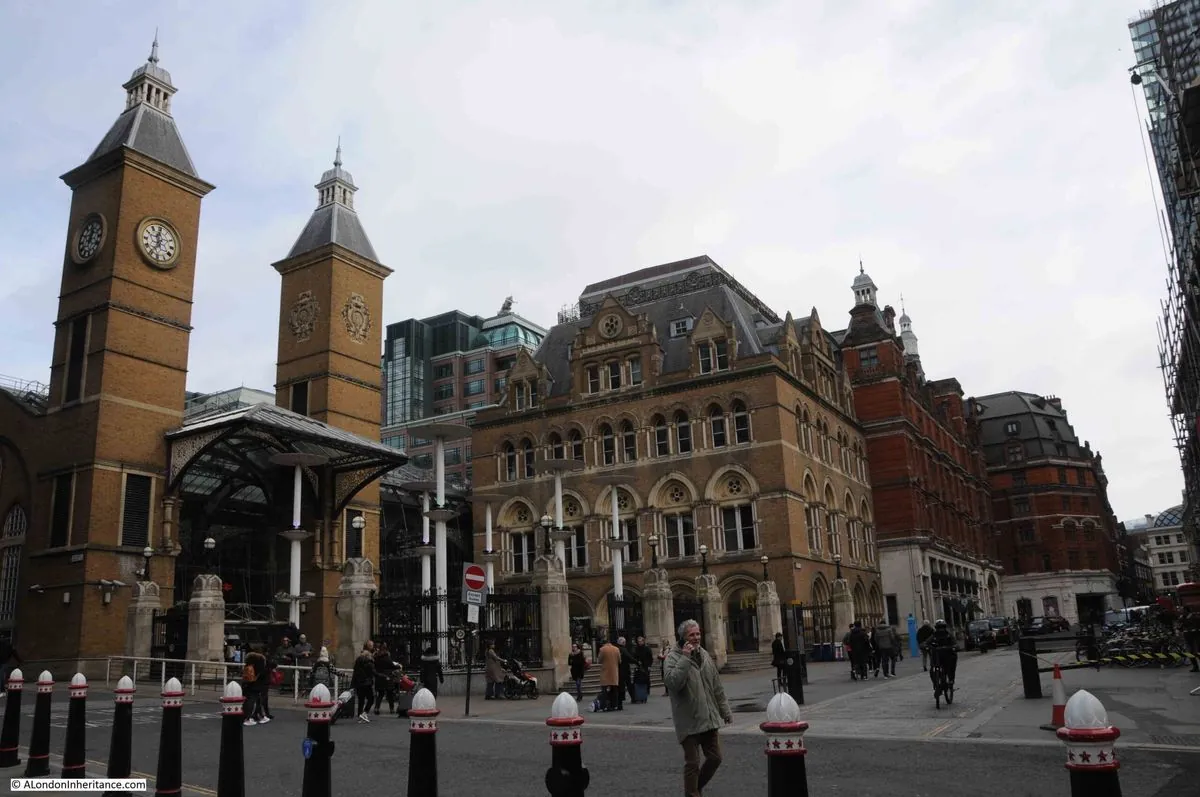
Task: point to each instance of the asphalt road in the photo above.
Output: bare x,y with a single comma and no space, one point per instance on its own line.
501,759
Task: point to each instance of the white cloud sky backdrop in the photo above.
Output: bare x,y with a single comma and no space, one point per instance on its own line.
982,158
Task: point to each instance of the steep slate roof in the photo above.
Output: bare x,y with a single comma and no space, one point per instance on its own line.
151,132
334,224
664,294
1042,427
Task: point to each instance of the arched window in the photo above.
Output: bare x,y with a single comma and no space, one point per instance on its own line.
608,445
510,462
683,433
805,431
627,528
556,446
522,540
575,443
11,544
527,456
628,442
716,423
737,519
741,422
662,436
852,528
831,524
812,516
826,442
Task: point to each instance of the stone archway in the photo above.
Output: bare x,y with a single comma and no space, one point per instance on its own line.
741,617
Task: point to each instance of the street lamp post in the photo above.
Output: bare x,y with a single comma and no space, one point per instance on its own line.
704,560
209,546
547,522
837,562
653,541
147,555
765,559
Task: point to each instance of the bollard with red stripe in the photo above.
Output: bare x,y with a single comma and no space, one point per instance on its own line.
231,769
38,765
317,747
169,778
120,746
75,755
422,745
10,734
786,772
1091,755
567,776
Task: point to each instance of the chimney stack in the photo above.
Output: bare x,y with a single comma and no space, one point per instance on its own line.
889,318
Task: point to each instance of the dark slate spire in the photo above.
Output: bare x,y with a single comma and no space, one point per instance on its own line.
334,221
146,124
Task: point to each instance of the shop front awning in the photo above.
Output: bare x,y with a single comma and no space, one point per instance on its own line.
228,455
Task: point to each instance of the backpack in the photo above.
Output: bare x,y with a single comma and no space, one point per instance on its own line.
249,674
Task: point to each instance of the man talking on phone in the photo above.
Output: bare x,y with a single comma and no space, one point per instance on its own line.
698,706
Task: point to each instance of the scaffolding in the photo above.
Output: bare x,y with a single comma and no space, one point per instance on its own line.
1167,69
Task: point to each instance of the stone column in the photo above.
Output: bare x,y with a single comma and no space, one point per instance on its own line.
354,609
843,608
206,619
556,617
139,619
713,622
770,621
658,608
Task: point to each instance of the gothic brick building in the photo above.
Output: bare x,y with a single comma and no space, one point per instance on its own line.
110,488
1050,503
932,501
734,432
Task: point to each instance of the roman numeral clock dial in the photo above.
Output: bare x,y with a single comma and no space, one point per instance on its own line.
89,238
158,242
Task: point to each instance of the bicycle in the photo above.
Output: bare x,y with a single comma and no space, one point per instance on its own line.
942,685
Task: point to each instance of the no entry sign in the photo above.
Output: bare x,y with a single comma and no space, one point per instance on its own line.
474,584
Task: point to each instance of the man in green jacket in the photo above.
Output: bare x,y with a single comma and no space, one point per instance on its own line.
698,706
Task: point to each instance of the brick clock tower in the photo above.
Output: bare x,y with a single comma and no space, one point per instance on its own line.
117,376
330,339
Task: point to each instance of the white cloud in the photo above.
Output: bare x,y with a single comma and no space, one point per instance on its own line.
983,159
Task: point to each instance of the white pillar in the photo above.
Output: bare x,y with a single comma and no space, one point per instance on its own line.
440,548
487,544
297,483
560,546
294,568
618,557
426,572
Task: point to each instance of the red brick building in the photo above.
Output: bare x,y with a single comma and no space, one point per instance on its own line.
928,478
1050,503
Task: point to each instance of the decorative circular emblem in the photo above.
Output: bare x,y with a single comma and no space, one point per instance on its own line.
734,485
610,325
571,507
89,238
303,318
357,318
523,515
158,242
676,494
622,501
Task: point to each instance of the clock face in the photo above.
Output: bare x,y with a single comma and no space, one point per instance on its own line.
159,242
88,238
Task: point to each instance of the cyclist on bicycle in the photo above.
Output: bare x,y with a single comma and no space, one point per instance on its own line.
944,650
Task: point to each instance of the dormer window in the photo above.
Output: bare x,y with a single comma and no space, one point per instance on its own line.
1012,427
593,378
680,327
714,356
614,375
1015,452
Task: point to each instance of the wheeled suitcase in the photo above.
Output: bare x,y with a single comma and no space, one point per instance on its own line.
641,692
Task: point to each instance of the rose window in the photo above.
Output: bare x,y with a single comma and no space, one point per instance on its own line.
676,494
733,486
523,515
623,501
610,326
570,508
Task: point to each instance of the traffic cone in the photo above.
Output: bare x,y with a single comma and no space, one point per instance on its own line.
1058,712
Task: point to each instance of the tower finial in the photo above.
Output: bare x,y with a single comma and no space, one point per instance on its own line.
337,158
860,265
154,49
902,312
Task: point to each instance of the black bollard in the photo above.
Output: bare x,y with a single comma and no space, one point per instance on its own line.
317,747
120,746
75,756
567,776
787,775
1031,679
793,670
231,771
422,745
1091,755
169,778
38,765
10,734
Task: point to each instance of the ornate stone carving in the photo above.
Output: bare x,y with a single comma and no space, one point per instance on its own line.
303,318
357,318
184,450
610,325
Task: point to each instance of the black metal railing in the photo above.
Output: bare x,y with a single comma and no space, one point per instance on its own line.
625,619
687,609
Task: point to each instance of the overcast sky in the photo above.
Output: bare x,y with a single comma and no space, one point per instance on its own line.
982,158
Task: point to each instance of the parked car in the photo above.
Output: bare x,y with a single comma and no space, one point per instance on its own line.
1005,629
1045,625
980,636
1056,624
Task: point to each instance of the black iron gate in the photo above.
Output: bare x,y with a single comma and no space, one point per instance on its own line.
169,641
815,624
406,623
625,619
687,608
